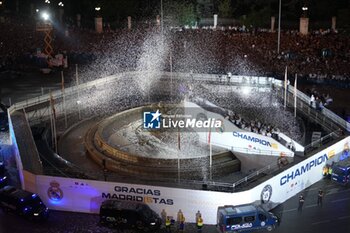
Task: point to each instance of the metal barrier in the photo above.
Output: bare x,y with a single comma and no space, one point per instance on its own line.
255,174
74,90
322,141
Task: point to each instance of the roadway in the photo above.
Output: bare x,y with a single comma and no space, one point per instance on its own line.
333,216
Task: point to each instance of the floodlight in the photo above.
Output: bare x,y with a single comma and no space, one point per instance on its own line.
45,15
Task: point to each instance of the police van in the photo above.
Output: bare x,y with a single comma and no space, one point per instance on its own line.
341,172
124,214
3,177
232,219
23,203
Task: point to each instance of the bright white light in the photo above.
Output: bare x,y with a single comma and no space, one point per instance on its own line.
78,102
245,90
61,4
97,8
304,8
0,2
45,16
47,1
37,10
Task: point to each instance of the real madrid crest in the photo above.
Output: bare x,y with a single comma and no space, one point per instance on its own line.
54,192
266,194
222,128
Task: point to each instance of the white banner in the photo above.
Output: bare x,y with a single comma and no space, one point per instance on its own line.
86,195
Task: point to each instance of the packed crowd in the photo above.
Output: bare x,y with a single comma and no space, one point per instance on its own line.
314,57
255,126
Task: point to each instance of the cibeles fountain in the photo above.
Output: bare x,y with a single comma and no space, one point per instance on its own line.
121,143
125,144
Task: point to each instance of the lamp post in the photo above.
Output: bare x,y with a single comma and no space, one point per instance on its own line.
279,28
60,11
304,9
98,20
304,21
2,19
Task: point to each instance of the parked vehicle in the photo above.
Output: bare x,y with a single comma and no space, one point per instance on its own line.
126,214
23,203
249,217
4,123
3,177
341,172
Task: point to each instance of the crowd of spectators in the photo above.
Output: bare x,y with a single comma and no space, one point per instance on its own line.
254,126
320,100
316,57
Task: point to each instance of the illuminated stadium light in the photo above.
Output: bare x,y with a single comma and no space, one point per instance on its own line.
61,4
304,8
37,10
97,8
0,3
47,1
45,16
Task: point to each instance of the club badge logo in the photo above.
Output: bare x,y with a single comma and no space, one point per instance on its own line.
266,194
54,192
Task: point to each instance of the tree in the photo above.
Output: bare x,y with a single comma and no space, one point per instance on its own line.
179,13
257,17
225,9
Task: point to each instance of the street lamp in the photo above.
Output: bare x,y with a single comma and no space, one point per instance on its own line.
304,9
98,20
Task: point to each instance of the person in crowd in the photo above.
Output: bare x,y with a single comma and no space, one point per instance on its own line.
168,224
320,197
199,223
182,224
301,202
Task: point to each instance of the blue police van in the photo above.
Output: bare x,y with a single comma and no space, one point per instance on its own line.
341,172
3,177
23,203
249,217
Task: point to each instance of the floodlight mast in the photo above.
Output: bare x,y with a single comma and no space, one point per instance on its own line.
45,26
